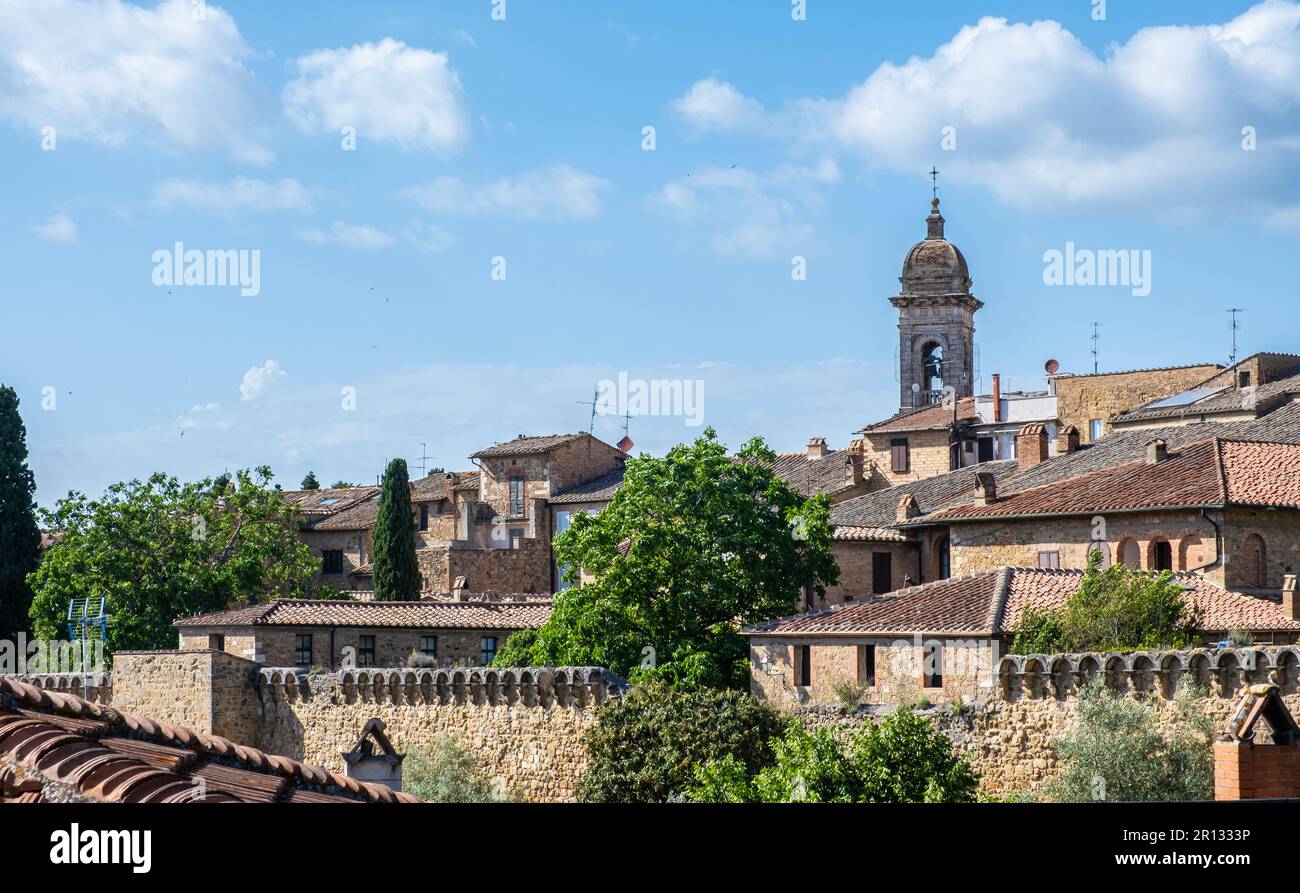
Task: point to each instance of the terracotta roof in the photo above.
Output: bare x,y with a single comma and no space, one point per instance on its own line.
880,508
120,757
524,445
602,489
992,602
425,614
1219,401
808,477
936,417
869,534
468,481
1208,473
327,500
360,516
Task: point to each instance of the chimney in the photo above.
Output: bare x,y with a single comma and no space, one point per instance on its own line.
1031,446
449,487
852,469
1157,451
817,447
1067,440
458,588
907,508
997,397
986,488
1290,607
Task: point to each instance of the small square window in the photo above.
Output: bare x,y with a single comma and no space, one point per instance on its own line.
302,651
366,651
487,650
1095,429
898,455
332,561
1050,560
516,496
429,646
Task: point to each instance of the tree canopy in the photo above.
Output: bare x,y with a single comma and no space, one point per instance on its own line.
691,546
159,549
397,570
20,538
1116,609
310,482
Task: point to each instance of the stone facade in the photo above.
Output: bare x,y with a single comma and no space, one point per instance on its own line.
330,646
1082,398
929,454
858,564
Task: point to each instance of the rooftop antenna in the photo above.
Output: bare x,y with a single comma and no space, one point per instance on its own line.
1096,339
88,619
593,403
1232,358
424,459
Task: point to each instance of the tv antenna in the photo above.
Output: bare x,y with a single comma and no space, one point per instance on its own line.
1096,340
88,619
593,403
424,459
1232,358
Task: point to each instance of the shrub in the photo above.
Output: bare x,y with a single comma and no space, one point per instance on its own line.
901,759
445,772
850,694
421,661
646,746
1116,751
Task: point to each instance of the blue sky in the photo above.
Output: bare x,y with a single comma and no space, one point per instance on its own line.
523,139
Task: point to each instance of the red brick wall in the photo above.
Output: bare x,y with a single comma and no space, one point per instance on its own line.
1247,771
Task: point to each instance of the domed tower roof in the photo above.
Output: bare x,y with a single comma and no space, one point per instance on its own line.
934,266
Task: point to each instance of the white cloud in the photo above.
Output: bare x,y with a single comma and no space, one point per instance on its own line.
747,214
388,91
350,235
110,71
711,104
259,378
59,228
557,192
428,237
463,36
239,194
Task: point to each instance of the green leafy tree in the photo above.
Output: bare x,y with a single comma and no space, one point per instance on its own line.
20,538
310,482
445,772
692,545
1117,750
341,485
901,759
158,550
1117,609
397,570
645,746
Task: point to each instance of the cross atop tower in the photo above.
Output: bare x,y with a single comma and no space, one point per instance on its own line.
934,182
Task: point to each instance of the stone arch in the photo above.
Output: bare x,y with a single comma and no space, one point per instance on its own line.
1143,673
1286,670
932,357
1129,553
1102,547
942,555
1160,554
1190,552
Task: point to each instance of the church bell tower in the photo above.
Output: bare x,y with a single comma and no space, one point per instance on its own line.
936,320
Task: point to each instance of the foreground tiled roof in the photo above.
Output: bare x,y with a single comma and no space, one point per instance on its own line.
524,445
110,756
868,534
602,489
1209,473
926,418
993,601
425,614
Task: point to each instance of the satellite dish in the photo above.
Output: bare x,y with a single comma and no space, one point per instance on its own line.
1052,367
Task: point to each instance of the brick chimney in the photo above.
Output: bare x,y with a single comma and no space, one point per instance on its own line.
459,589
817,447
1157,451
986,488
1290,607
907,508
1031,445
449,487
852,469
1067,440
997,397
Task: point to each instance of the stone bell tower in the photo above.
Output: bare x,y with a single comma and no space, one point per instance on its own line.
936,320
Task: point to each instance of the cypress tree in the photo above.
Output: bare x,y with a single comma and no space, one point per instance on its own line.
397,572
310,482
20,538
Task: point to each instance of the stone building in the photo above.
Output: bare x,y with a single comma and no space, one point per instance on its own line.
464,630
1249,390
1090,401
944,641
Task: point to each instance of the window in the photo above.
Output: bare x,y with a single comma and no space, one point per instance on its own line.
802,665
429,646
1102,548
516,495
216,642
562,522
985,449
366,653
1243,379
516,535
882,573
1049,559
424,517
944,559
932,670
1095,429
867,664
488,650
898,457
932,368
1162,555
302,651
1130,555
332,561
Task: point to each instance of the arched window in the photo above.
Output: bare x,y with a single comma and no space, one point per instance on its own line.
932,366
1254,563
1102,547
942,559
1190,552
1130,555
1160,555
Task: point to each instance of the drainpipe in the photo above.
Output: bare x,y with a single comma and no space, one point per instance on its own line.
1218,544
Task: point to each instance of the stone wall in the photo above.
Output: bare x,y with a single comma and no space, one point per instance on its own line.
1082,398
857,568
928,454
